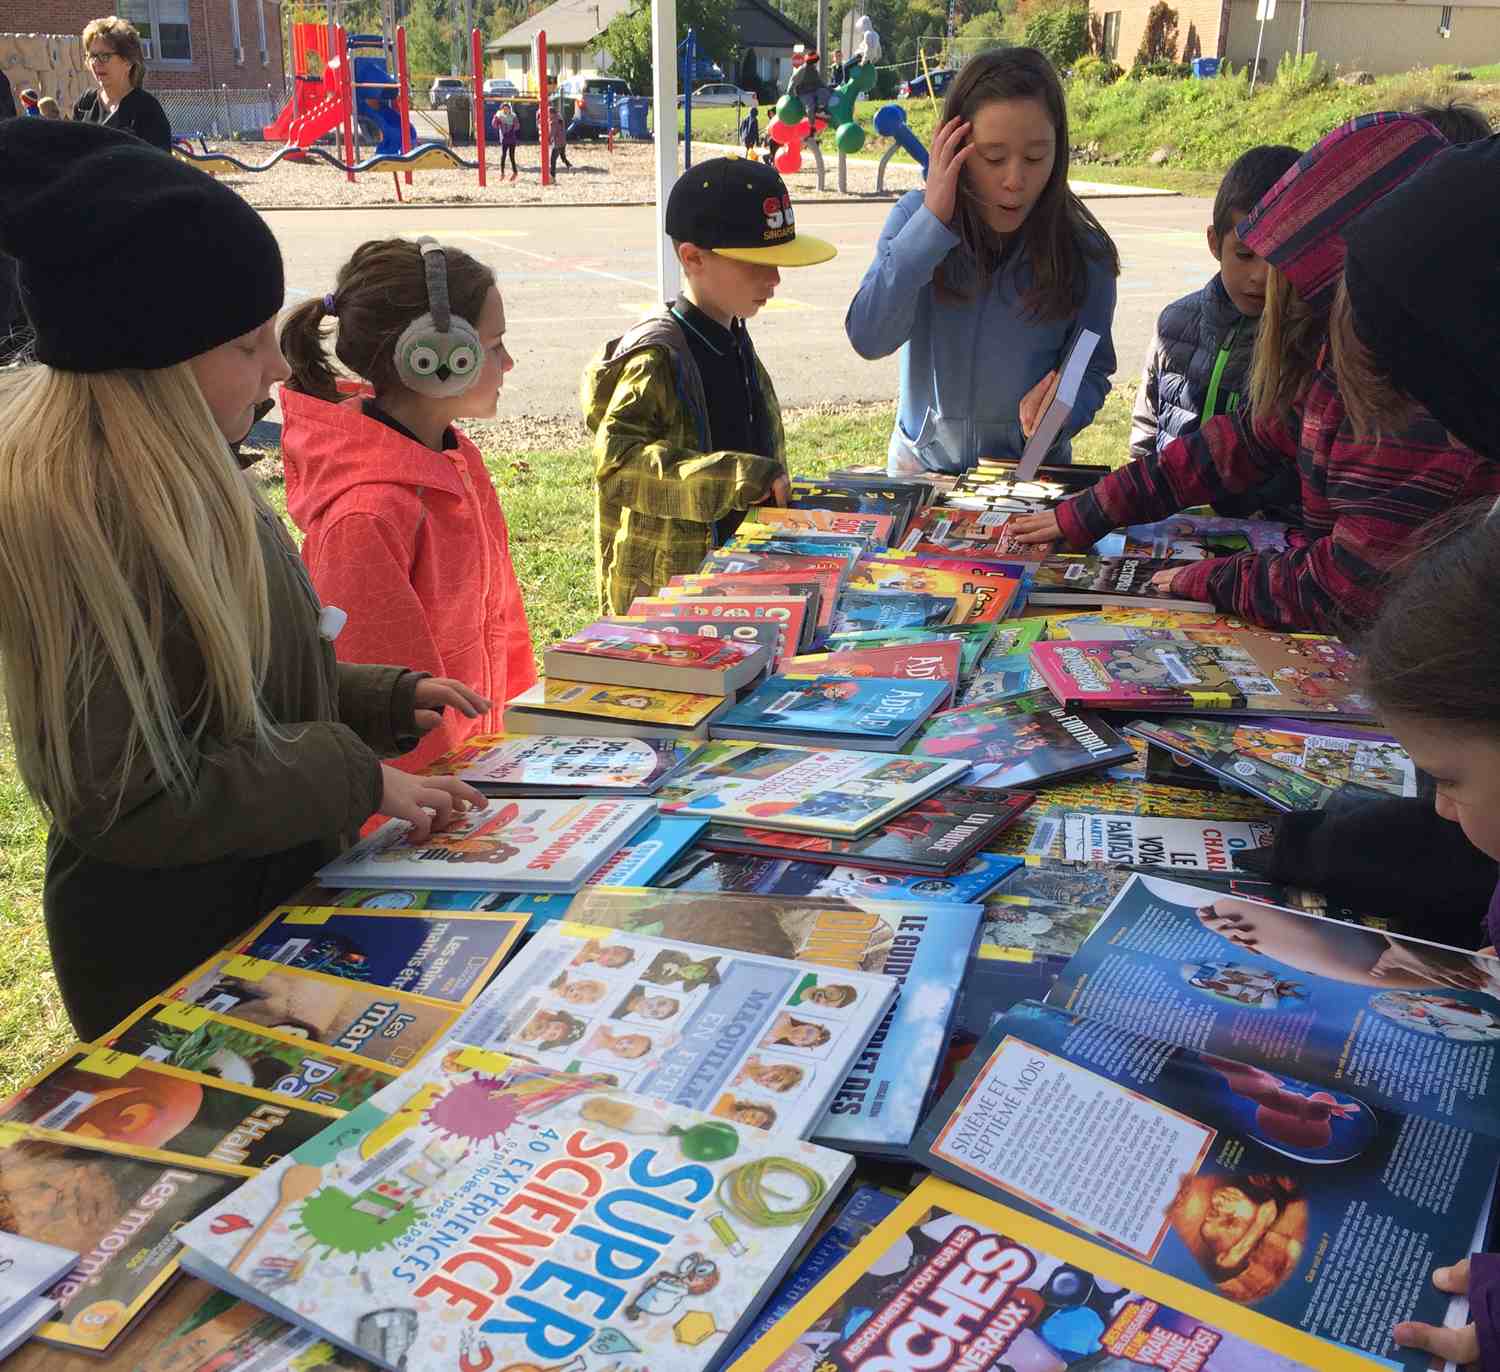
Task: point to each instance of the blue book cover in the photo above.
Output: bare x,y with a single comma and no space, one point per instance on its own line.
749,874
855,707
890,610
865,1208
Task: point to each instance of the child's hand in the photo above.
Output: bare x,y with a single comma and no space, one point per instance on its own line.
1034,528
434,692
1034,403
779,494
1457,1345
949,153
1161,582
426,802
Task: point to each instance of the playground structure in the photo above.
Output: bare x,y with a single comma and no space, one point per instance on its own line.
890,122
320,99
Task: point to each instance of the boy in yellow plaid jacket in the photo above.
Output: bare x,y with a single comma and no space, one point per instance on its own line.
687,429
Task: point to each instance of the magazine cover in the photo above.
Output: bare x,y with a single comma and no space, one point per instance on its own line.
923,944
878,713
481,1214
972,533
764,1042
547,765
840,792
1287,763
926,660
939,834
1025,741
386,1026
440,955
1308,1203
865,610
283,1063
115,1097
1038,1299
118,1212
1114,621
516,845
28,1270
780,520
1147,841
749,874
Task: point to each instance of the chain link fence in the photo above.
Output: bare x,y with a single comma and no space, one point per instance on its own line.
223,113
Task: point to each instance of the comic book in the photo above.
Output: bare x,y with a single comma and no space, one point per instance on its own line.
391,1027
1010,1291
509,845
1117,622
923,944
1079,581
118,1210
764,633
738,560
973,640
994,595
837,792
1001,679
198,1040
558,706
861,611
1189,537
937,835
114,1097
752,874
480,1213
1025,741
648,853
790,611
1016,636
1210,670
751,538
873,526
547,765
1178,844
28,1270
438,954
879,714
974,533
1287,763
621,653
925,660
819,591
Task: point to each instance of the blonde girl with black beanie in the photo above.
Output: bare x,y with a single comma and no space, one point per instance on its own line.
169,673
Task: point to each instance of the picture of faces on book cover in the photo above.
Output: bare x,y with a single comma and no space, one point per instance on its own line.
620,1007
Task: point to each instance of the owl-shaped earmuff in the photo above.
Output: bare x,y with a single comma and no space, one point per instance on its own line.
439,353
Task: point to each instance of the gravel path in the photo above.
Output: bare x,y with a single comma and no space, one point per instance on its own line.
597,177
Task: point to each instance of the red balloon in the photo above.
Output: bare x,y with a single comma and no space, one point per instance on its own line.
789,159
781,133
802,130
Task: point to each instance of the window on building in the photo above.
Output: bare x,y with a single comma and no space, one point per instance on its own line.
1112,35
165,26
260,27
1445,22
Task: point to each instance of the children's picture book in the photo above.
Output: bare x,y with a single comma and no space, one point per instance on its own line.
993,594
1039,1299
1025,741
635,1232
925,660
752,538
975,533
937,835
973,640
533,844
879,714
783,520
819,591
763,1042
226,1334
1212,670
118,1211
1086,580
1062,396
1015,636
1178,844
648,853
275,1060
438,954
789,611
860,1213
386,1026
619,653
1002,679
737,560
558,707
748,633
1188,537
865,610
1113,621
29,1269
857,498
835,792
749,874
1288,763
548,765
923,944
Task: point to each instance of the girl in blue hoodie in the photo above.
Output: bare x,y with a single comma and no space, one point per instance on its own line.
983,278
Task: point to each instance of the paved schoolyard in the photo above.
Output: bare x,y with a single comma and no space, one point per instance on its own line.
573,278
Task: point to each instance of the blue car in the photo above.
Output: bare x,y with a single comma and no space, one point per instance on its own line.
918,84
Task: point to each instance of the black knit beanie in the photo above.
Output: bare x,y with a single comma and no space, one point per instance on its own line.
1423,279
129,258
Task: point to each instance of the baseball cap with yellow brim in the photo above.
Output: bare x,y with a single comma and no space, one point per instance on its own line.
741,209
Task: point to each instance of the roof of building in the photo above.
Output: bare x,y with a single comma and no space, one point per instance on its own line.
761,25
568,23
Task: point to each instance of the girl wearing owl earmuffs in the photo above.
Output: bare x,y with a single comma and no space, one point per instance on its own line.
404,530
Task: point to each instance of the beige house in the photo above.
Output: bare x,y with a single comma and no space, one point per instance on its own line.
572,28
1377,36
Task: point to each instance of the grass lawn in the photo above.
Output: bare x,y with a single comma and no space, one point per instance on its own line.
548,501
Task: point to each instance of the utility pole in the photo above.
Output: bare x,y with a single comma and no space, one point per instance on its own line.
823,35
1302,28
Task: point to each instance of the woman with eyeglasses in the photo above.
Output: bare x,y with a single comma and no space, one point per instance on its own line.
112,49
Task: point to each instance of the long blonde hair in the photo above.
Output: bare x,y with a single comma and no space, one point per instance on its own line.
1287,344
123,519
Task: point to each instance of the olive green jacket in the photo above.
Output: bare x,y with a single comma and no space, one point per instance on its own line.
657,492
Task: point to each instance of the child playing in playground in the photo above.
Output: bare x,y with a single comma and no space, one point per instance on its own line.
507,127
1199,364
983,279
405,533
687,431
558,125
1364,496
173,697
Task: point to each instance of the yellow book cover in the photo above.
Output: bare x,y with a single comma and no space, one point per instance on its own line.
633,703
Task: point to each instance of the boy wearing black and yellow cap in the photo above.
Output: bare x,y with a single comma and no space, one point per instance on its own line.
687,431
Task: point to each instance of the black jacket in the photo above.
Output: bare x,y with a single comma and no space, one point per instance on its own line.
7,100
139,113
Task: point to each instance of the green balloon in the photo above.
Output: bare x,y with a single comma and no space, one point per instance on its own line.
711,1141
789,110
840,110
850,137
864,76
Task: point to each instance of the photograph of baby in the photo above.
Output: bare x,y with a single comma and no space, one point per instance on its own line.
798,1034
823,992
576,989
612,1045
772,1074
552,1031
746,1110
606,956
647,1005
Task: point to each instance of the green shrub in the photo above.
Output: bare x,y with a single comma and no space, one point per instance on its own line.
1096,71
1298,75
1062,34
1161,67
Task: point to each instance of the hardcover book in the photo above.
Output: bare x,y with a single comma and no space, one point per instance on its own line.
972,639
993,595
566,765
926,660
875,713
790,611
864,610
1081,581
557,706
624,654
1176,844
748,633
780,519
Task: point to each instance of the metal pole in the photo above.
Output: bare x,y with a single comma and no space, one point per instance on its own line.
544,108
348,67
823,36
476,45
1302,28
664,97
1260,38
687,100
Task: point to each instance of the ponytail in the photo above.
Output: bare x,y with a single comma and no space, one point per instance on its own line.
302,346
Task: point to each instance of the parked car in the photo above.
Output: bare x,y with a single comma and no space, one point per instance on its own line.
591,98
499,88
918,84
444,88
720,93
